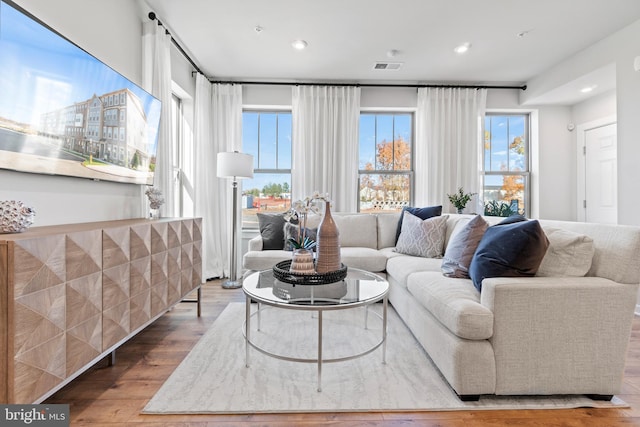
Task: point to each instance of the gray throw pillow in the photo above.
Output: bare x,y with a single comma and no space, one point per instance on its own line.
462,245
569,254
271,230
424,238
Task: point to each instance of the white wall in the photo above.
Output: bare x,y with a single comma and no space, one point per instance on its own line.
620,48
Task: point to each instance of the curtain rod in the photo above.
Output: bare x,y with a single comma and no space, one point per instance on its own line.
523,87
153,17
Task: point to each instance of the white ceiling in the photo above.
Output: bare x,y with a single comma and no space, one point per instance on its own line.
347,37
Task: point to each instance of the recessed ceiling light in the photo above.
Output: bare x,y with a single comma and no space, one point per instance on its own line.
299,44
463,48
258,29
588,89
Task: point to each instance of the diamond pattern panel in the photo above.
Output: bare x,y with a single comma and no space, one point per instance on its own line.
83,253
197,229
38,316
116,324
39,369
140,309
140,275
115,246
158,237
115,285
187,231
140,241
159,298
84,299
84,343
174,234
39,264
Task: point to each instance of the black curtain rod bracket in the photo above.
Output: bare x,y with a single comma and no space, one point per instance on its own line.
154,17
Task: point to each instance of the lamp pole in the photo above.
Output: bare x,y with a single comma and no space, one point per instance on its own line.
233,282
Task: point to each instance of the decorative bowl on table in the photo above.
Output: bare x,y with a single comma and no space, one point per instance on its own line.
282,273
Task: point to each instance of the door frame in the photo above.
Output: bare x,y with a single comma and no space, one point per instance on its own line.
581,131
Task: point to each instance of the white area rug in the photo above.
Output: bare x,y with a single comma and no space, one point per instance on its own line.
213,378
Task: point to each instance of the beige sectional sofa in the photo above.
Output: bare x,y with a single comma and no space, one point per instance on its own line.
539,335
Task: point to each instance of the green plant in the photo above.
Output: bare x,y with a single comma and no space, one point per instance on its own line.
460,199
495,208
302,243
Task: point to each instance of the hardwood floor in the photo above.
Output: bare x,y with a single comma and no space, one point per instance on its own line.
115,395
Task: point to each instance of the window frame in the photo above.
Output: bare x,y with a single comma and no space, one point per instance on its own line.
284,171
527,155
411,172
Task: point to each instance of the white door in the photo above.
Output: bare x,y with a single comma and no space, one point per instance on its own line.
601,175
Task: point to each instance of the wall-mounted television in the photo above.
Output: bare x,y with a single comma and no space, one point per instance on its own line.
64,112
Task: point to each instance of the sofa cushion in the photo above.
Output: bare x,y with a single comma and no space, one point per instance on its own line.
401,266
569,253
291,232
422,213
271,230
387,226
364,258
264,260
462,245
422,237
512,248
454,302
359,230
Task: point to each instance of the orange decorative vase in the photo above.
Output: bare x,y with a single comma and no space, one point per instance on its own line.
328,247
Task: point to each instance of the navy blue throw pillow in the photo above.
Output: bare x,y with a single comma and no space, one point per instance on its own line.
512,248
422,213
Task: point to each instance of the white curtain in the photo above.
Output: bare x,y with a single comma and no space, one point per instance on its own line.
156,78
325,124
217,127
448,145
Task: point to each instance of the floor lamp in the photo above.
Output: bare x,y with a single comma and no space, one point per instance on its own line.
234,165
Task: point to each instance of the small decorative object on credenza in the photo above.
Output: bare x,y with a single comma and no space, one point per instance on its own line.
15,217
155,201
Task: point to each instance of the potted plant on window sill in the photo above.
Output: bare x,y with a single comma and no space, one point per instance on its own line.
460,199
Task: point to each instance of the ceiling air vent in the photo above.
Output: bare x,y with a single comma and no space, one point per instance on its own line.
387,65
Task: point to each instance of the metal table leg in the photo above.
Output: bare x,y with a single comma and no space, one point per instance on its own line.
247,315
319,350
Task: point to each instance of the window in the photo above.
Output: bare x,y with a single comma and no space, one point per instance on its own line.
506,164
385,165
267,136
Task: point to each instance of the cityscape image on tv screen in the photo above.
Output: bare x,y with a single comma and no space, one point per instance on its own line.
64,112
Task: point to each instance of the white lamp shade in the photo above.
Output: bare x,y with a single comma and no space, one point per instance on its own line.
235,165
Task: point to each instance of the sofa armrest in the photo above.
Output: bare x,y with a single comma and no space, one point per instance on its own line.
255,244
559,335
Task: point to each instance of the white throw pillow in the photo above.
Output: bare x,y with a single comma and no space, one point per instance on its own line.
424,238
569,254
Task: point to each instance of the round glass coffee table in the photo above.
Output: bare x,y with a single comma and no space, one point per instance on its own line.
360,288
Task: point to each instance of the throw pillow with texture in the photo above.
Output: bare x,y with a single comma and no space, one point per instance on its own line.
569,254
509,249
272,230
424,238
291,232
422,213
462,245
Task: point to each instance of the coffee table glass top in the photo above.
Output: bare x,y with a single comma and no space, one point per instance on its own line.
359,287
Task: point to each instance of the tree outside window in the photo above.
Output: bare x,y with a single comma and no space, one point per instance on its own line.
506,164
385,172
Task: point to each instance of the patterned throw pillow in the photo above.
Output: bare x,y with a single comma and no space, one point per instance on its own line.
422,213
424,238
462,245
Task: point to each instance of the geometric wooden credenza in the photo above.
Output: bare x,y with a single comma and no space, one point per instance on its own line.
71,294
